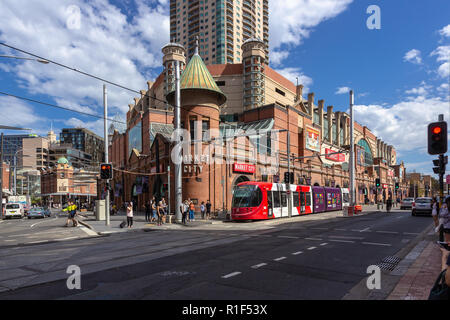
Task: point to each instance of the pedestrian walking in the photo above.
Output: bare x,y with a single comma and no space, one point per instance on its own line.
159,213
184,211
191,211
154,215
203,209
130,215
163,210
208,209
71,210
389,204
148,210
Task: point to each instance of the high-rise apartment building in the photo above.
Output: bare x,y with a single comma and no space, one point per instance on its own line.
222,26
86,141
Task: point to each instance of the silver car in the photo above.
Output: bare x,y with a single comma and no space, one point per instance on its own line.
421,206
406,203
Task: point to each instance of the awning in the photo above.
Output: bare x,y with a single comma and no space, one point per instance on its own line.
256,127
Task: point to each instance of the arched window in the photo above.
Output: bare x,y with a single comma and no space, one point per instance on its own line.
366,153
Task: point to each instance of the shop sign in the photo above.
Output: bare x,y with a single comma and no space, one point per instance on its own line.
337,157
447,179
244,168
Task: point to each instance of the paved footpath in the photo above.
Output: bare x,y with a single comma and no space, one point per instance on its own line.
418,280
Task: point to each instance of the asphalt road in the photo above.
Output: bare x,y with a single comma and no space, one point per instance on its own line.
26,231
321,259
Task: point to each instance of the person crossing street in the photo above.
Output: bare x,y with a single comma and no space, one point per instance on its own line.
71,209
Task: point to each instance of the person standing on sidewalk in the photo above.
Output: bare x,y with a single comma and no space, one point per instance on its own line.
130,215
164,210
444,219
159,213
208,210
184,211
191,211
148,209
203,210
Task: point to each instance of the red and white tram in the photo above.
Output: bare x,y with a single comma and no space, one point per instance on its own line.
264,200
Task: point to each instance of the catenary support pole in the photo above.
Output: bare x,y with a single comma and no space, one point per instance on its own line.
177,164
352,154
105,115
1,178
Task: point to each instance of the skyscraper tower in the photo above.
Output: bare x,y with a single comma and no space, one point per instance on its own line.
221,25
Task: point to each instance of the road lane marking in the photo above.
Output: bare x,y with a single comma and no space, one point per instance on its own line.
377,244
319,228
279,259
256,266
347,241
411,233
89,231
296,253
63,239
341,229
345,237
390,232
324,244
288,237
42,241
364,230
311,248
317,239
231,275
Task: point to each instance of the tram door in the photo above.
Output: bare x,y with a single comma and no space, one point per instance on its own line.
302,202
269,204
276,202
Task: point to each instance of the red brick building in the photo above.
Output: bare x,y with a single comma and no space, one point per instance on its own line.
241,98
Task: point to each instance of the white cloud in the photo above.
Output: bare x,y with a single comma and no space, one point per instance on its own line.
106,44
342,90
293,73
95,126
422,90
292,21
443,55
445,31
17,113
276,57
413,56
404,124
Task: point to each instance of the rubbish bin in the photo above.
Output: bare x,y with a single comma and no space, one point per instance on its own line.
100,208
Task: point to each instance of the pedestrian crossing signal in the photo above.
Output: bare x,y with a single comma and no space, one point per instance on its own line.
377,182
437,137
106,171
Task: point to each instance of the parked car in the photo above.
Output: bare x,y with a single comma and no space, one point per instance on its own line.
421,206
38,213
14,210
406,203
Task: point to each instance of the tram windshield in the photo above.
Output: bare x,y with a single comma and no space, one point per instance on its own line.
247,196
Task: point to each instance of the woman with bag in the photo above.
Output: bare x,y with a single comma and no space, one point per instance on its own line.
130,215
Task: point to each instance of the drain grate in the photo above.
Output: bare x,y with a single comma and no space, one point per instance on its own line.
389,263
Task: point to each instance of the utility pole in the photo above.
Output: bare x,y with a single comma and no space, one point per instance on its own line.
441,172
105,115
289,173
352,155
178,162
168,188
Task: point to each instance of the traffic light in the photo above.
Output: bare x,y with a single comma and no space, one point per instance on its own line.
106,171
396,185
377,182
437,137
288,175
439,166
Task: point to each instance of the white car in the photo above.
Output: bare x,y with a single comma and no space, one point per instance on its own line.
14,210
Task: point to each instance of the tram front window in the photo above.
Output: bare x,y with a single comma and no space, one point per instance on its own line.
247,196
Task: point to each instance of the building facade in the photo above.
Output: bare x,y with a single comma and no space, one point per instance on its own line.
215,102
62,182
84,140
222,26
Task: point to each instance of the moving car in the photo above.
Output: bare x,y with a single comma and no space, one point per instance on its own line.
421,206
14,210
38,213
406,203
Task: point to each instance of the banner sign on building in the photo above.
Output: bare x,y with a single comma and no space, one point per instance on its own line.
337,157
360,156
447,179
244,168
312,139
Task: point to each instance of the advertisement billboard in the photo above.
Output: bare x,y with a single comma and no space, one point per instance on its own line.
312,139
333,156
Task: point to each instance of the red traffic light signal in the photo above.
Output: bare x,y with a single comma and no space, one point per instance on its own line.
437,137
106,171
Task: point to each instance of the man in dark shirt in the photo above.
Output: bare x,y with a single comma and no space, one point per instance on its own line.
208,210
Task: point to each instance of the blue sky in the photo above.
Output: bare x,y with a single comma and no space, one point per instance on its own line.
400,73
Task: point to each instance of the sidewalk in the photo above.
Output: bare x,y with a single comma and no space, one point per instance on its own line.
139,223
419,278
